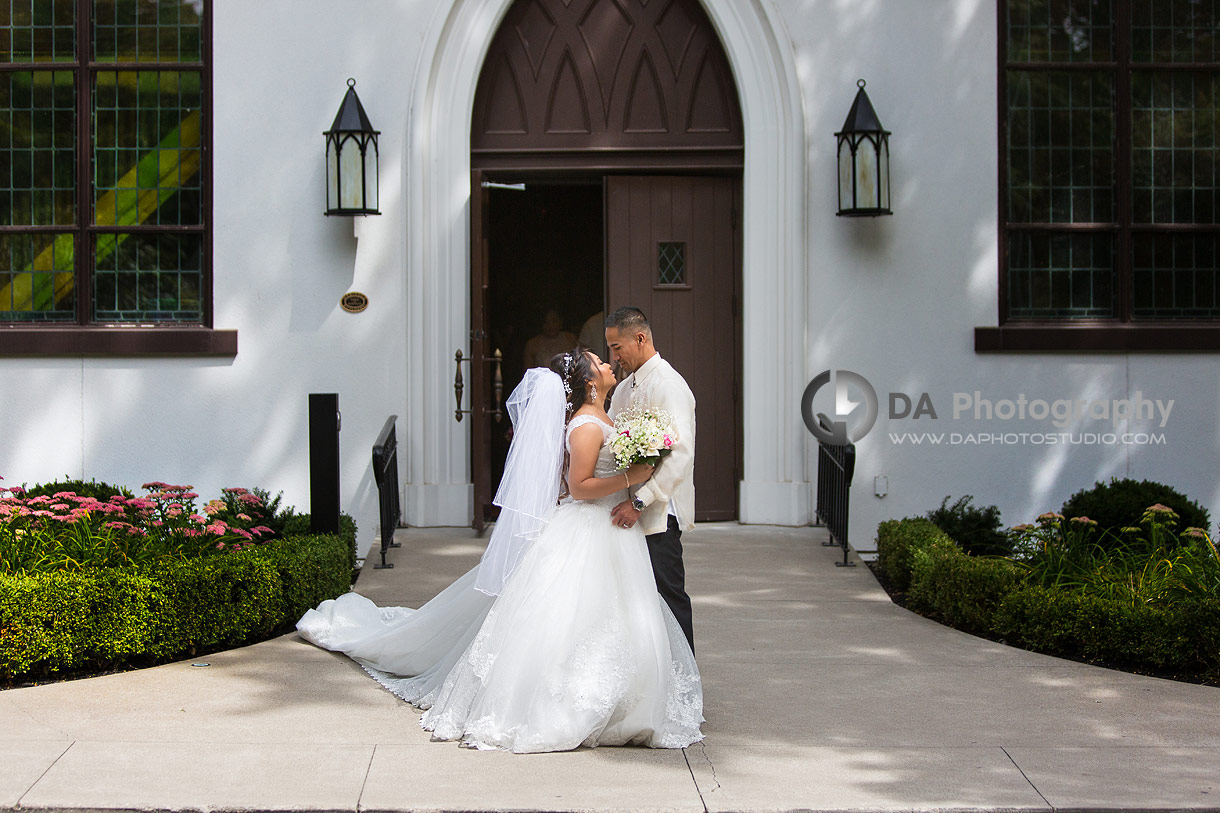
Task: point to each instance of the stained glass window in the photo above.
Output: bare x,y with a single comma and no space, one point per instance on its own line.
111,231
1111,120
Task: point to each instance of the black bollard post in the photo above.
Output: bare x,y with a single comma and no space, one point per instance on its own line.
324,424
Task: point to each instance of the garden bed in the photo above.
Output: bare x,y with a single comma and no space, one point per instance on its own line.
1172,631
86,590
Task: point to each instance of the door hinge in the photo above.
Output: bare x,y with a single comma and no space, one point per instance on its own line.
477,334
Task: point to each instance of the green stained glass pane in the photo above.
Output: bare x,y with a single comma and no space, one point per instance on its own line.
1060,30
1175,119
1175,30
1054,276
1175,276
146,148
144,31
37,277
37,30
1060,147
37,163
148,278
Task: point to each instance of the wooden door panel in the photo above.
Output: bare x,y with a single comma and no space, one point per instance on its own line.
695,323
480,352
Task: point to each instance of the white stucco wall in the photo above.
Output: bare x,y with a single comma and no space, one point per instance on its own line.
894,299
280,267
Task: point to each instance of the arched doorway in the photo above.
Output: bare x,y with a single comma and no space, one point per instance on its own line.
621,121
436,252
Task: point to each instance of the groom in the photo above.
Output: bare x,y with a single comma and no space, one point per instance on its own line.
664,505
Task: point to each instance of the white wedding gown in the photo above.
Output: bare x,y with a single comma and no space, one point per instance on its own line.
578,648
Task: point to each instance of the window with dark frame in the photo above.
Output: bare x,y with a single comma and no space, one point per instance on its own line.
1110,119
103,165
671,263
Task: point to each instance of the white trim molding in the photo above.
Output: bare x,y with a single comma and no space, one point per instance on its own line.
776,486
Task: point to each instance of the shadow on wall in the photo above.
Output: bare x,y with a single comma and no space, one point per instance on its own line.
897,298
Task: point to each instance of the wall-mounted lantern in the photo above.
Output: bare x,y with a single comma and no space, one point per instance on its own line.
864,161
351,160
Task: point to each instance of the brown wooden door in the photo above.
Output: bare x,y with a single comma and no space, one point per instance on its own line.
673,250
482,361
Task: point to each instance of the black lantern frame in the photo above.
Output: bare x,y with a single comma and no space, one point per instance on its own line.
351,160
864,161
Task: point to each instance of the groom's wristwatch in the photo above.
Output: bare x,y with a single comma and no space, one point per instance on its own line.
637,503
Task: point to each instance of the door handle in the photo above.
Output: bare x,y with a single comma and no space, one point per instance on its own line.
458,386
497,385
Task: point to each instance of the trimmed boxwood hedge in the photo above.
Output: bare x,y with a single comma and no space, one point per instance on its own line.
989,597
897,541
58,624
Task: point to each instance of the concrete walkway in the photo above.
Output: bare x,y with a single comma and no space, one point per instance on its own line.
820,695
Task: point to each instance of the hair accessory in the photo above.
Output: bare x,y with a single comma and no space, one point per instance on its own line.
567,371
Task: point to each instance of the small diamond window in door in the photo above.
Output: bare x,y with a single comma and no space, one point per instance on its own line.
671,263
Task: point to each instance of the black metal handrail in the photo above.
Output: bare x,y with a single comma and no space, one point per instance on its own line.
385,472
836,465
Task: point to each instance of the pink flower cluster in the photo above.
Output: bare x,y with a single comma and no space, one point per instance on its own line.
63,506
166,511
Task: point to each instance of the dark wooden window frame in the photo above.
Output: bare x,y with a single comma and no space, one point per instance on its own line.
86,337
1121,334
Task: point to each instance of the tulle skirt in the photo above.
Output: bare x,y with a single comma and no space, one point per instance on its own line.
578,648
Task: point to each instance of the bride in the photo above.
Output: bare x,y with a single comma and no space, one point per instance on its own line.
557,638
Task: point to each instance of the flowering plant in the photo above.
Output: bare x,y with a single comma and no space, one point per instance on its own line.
643,436
65,530
1146,564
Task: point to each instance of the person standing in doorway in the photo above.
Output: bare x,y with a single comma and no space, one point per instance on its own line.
552,340
665,505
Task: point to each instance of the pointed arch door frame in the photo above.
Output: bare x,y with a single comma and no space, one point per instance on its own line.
436,176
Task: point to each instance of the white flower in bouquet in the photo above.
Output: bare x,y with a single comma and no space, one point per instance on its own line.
643,436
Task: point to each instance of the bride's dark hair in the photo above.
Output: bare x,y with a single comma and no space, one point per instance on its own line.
575,369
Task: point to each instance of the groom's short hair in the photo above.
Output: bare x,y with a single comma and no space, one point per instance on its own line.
629,319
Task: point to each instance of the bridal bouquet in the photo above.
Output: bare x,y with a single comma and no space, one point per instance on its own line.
644,436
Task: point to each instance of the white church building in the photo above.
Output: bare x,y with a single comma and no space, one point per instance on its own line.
1029,304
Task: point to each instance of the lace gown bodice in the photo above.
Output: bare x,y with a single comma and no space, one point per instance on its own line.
605,466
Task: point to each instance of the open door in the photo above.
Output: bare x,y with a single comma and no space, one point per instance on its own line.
486,384
673,249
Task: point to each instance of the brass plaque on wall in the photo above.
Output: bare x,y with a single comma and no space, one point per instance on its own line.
354,302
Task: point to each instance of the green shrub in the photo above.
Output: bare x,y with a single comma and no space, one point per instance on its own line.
897,539
1146,565
960,590
90,620
92,488
1182,639
977,530
1062,609
1121,503
298,525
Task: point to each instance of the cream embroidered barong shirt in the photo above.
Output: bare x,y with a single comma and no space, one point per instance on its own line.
671,490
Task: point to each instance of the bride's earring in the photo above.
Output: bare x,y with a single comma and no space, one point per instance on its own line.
593,392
